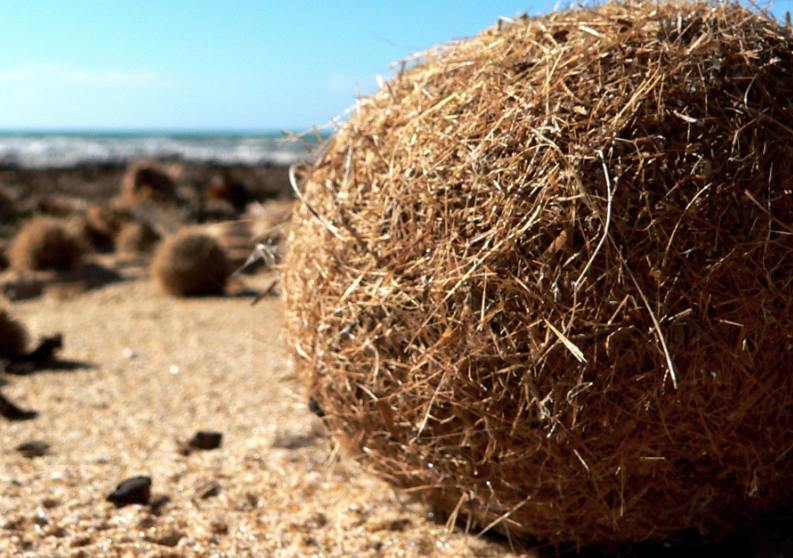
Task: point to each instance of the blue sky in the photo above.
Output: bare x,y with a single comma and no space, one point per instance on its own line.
214,64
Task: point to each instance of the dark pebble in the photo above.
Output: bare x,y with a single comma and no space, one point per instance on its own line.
45,352
136,490
157,504
171,538
314,407
206,440
41,357
208,490
36,448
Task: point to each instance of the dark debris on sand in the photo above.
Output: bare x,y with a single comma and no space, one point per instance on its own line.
10,411
135,490
34,448
202,440
42,357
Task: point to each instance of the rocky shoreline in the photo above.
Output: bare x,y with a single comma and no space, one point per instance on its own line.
98,182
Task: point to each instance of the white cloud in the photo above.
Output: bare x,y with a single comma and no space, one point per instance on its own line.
52,73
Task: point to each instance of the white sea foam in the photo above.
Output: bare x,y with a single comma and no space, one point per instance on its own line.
68,150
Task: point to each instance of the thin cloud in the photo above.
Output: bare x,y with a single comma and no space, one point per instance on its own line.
67,75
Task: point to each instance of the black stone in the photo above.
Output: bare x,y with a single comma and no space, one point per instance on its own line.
36,448
159,503
136,490
209,490
203,440
45,352
314,407
40,357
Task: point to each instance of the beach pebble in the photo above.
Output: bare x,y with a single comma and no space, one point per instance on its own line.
136,490
157,504
169,538
36,448
314,407
44,353
203,440
208,490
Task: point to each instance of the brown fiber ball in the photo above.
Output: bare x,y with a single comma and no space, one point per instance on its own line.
543,277
103,224
13,337
136,238
46,243
189,263
146,180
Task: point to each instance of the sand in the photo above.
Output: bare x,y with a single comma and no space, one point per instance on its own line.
141,372
147,371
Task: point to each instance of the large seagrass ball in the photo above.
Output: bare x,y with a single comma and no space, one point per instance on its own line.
544,276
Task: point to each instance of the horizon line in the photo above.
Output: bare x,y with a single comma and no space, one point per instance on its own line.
169,131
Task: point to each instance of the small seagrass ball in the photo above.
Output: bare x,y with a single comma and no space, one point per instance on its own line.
190,263
135,238
46,243
13,337
103,223
543,277
147,180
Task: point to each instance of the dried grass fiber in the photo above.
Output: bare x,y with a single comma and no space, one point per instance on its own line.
543,276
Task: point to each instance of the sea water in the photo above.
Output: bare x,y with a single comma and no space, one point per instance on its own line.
70,149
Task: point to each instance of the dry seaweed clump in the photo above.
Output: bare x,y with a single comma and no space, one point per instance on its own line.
13,337
135,238
46,243
189,263
103,224
270,226
146,180
542,277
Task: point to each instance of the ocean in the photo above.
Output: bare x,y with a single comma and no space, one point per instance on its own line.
70,149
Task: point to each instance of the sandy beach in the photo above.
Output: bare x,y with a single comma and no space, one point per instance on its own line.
150,371
495,281
140,373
